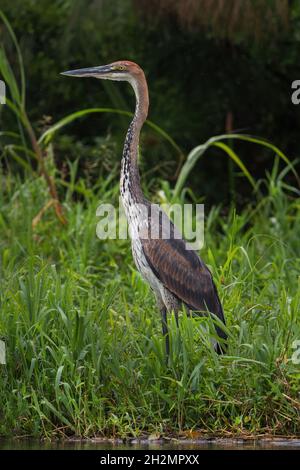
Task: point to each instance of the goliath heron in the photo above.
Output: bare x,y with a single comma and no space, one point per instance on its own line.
176,274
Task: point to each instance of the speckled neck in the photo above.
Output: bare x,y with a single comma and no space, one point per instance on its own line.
130,186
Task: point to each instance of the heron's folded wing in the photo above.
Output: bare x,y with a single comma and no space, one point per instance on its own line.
183,273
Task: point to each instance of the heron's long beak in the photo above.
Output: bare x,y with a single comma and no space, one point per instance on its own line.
100,71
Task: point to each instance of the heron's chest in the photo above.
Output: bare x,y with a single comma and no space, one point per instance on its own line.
143,265
137,224
138,220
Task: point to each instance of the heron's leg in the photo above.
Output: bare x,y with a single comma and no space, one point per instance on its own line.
165,331
163,311
172,304
176,317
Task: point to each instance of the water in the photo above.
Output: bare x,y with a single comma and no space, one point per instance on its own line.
166,444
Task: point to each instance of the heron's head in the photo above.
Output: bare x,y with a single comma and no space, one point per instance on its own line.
122,70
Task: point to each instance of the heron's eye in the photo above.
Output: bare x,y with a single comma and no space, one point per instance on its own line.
121,67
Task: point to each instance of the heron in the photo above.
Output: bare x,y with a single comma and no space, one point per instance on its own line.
175,272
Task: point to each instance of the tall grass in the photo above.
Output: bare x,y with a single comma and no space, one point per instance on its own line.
22,153
85,354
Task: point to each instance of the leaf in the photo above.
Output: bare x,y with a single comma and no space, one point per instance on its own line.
49,133
198,151
236,159
58,377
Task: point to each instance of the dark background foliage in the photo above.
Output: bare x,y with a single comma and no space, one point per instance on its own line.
212,67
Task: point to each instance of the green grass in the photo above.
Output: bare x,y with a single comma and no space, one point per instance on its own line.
85,354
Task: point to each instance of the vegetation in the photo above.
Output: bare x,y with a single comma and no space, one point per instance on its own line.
85,354
85,350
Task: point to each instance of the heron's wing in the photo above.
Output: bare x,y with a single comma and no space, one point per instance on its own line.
183,273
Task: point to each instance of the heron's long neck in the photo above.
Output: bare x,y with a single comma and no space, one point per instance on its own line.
130,185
